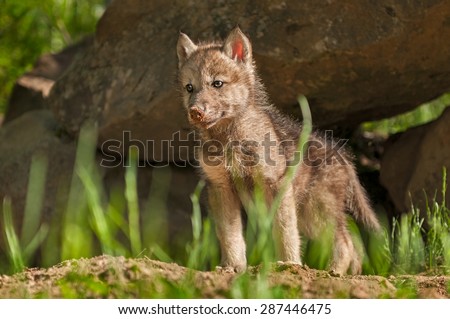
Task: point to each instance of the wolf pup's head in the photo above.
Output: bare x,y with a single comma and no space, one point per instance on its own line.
216,79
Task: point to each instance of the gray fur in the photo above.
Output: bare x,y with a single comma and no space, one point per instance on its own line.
325,188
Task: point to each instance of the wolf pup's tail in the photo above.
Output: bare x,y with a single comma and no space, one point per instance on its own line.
358,203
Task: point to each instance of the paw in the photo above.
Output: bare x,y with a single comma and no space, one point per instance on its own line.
225,270
228,269
335,273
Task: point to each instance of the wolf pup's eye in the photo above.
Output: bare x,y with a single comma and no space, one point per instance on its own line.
189,88
217,84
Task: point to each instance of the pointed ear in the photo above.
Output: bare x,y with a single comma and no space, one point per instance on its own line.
185,47
237,46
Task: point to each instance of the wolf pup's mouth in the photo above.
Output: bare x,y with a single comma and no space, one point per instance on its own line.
201,120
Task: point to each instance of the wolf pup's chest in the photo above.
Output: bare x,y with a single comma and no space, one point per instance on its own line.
237,161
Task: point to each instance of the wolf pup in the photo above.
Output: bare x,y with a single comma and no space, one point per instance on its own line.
246,141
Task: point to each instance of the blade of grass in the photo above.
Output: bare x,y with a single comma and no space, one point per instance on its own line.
14,249
36,242
116,208
160,254
194,248
301,149
154,216
34,198
202,251
76,235
133,205
100,224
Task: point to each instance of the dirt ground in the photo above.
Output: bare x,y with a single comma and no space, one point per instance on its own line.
118,277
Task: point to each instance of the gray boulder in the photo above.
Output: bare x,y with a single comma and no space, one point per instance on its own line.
355,61
412,165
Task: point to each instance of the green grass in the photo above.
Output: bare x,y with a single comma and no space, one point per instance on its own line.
406,289
30,28
82,285
419,244
95,221
23,247
400,123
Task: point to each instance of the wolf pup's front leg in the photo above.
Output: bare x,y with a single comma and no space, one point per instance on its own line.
225,206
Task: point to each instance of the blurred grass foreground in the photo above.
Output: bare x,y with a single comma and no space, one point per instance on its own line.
97,221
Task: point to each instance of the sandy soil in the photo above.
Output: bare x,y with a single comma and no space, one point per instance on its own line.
118,277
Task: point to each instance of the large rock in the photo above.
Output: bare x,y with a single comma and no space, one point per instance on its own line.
32,89
412,166
354,60
34,134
